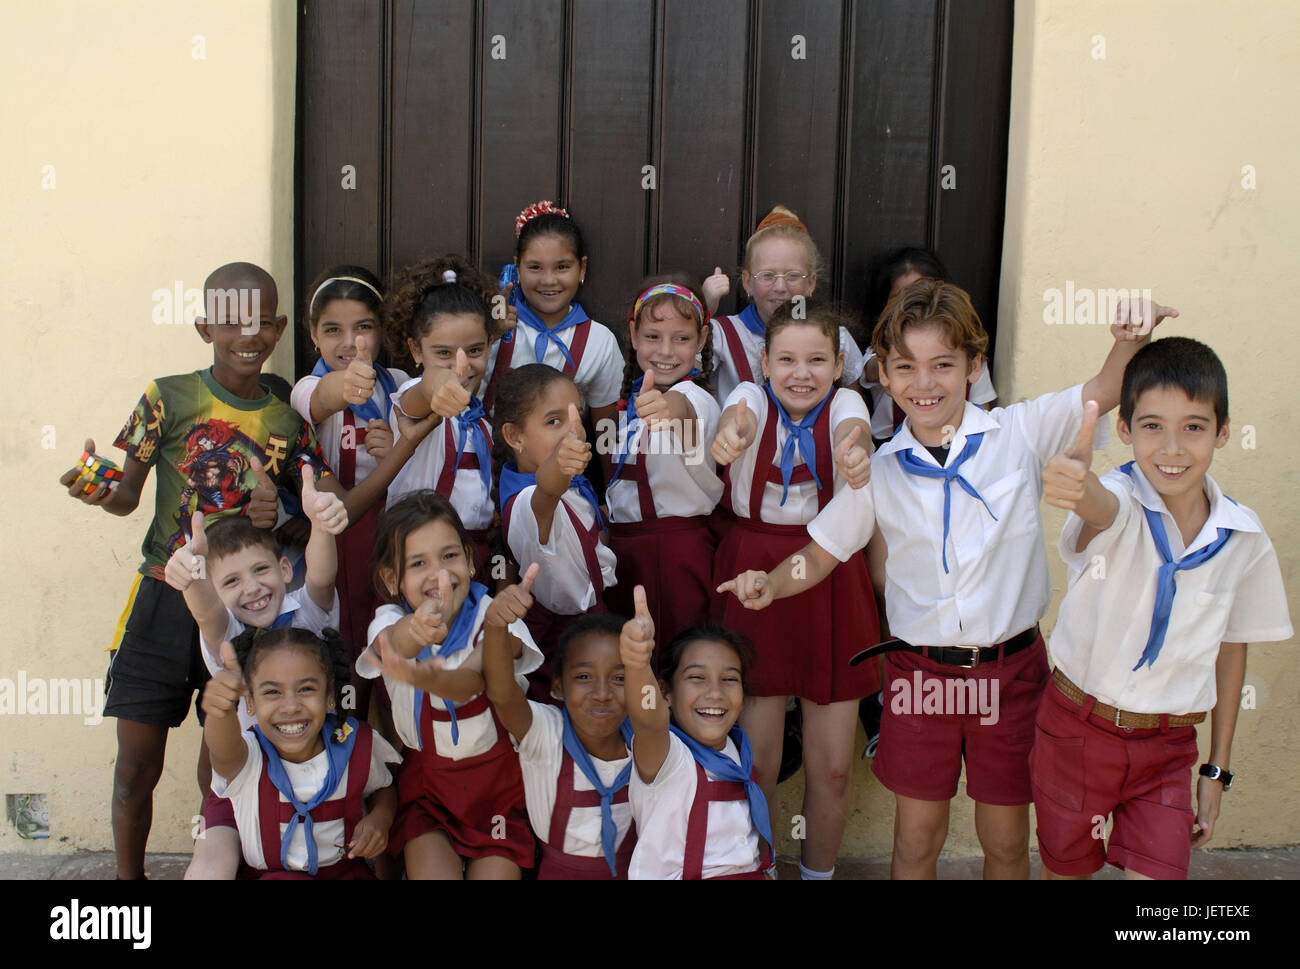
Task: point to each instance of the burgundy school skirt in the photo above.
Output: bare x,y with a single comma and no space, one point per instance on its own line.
673,559
357,597
477,802
802,645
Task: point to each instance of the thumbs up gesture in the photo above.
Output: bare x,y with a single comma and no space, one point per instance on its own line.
573,452
636,644
512,602
359,378
852,460
447,396
429,621
651,403
735,434
1136,318
715,287
188,562
1065,476
261,509
222,693
324,508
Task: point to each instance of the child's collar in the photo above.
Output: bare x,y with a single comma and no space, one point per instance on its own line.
975,420
1224,512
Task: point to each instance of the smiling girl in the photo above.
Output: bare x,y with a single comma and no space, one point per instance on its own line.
790,445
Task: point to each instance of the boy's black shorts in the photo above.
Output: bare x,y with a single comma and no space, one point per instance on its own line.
157,665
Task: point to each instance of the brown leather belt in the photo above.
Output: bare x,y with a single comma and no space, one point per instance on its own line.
1123,718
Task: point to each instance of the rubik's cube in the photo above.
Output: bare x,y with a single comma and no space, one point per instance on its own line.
96,470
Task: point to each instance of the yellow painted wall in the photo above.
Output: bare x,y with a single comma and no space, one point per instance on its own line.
1124,171
165,166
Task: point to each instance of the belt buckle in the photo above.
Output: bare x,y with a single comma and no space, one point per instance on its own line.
1118,712
974,658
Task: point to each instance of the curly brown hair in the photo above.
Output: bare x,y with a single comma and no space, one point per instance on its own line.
420,292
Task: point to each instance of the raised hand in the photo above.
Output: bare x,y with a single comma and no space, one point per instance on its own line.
379,438
852,460
72,480
573,452
359,378
512,602
222,693
262,508
324,508
431,619
424,674
715,287
447,397
188,562
651,403
753,589
1065,476
1136,318
636,644
735,435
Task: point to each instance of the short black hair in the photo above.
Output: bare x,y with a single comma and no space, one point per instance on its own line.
591,622
672,656
1176,361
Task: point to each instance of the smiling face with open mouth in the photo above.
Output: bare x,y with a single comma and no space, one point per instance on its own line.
802,365
344,327
666,338
251,584
591,686
430,549
1173,438
706,694
550,273
929,382
289,694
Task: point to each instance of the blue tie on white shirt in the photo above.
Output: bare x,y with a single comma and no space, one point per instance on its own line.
337,756
608,830
1165,584
798,435
376,408
749,317
724,768
529,318
457,639
914,465
284,619
467,423
513,481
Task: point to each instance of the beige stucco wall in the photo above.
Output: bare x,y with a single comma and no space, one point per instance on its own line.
1124,172
165,167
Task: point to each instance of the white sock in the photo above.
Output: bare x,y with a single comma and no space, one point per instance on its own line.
808,875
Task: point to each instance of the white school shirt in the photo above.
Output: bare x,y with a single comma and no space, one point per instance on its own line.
600,372
563,585
478,733
472,501
541,752
306,779
1235,597
997,584
662,810
307,615
683,483
801,504
329,432
726,376
882,405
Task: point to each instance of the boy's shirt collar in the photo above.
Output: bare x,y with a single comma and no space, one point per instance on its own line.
975,420
1224,512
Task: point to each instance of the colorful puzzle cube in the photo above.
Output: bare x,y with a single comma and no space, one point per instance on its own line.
96,470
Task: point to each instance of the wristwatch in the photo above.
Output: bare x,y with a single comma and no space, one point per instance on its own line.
1216,773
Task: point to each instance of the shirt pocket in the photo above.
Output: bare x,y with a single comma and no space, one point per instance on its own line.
1205,623
1013,500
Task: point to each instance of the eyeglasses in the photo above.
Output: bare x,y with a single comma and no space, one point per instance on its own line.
769,278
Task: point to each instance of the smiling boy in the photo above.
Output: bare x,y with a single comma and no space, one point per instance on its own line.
1169,579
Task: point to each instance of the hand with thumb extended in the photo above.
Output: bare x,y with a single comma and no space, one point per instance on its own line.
513,602
325,509
852,460
1065,475
359,378
188,563
573,453
715,287
222,694
735,434
448,397
651,403
462,364
262,508
636,644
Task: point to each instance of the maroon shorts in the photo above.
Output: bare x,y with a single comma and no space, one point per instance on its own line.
983,715
1084,768
218,812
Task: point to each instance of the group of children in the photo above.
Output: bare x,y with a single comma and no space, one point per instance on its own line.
592,677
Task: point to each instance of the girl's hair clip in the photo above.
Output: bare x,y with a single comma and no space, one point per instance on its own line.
544,207
449,276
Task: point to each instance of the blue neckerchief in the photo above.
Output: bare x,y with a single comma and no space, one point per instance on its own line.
284,619
749,316
513,481
468,423
720,765
457,639
337,755
914,465
582,759
527,316
800,435
1165,584
370,410
629,428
